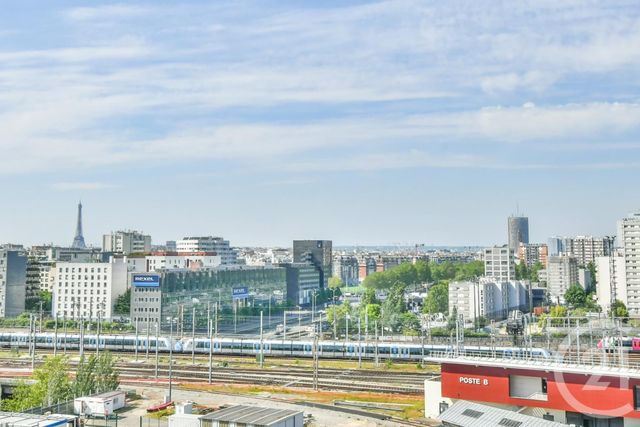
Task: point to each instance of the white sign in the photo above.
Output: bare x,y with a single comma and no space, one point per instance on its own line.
474,381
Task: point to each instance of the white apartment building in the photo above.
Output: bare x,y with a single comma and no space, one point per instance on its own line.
126,242
587,248
221,247
499,263
611,283
172,261
488,298
562,272
629,241
87,289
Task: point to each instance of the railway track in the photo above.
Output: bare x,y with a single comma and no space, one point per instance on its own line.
328,378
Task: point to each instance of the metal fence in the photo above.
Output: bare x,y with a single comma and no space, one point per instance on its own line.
153,422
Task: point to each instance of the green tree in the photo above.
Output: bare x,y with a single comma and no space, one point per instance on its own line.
534,272
575,296
406,273
335,282
106,373
618,309
522,272
123,303
423,271
469,270
368,298
409,323
592,271
85,381
52,385
437,300
444,271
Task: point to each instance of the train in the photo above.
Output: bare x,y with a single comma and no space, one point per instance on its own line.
248,346
628,344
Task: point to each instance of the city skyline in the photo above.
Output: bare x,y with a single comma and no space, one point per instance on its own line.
361,122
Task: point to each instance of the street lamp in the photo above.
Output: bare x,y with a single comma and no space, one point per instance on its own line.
171,320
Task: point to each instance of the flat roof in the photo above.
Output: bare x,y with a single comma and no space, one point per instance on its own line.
538,365
470,414
251,415
22,419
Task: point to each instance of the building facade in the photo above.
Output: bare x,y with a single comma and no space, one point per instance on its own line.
318,253
88,290
587,248
518,231
13,282
488,298
611,282
171,294
562,272
217,245
347,269
629,241
499,263
303,280
533,253
173,261
126,242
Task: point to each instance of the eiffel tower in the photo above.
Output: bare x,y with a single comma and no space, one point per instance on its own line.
78,241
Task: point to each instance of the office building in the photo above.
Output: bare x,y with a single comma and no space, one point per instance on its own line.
629,241
13,282
346,268
488,298
518,231
611,282
88,289
303,280
584,279
52,254
316,252
533,253
499,263
217,245
562,272
126,242
172,261
174,294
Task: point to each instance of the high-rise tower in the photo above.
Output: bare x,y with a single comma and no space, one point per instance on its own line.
78,241
518,230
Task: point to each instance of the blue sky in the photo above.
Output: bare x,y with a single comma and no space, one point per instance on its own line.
362,122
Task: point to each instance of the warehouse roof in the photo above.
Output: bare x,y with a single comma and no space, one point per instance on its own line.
468,414
251,415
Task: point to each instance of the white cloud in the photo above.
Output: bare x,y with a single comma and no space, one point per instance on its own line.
118,10
80,186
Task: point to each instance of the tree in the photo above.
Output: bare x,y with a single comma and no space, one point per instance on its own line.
106,374
406,273
410,324
437,300
423,271
469,270
592,271
123,303
52,385
368,298
85,382
379,280
522,272
335,282
618,309
576,296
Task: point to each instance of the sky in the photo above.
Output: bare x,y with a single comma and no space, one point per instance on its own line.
383,122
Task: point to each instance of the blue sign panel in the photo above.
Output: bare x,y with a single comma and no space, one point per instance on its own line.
240,293
146,280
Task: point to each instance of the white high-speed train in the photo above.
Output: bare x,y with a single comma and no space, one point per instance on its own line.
272,347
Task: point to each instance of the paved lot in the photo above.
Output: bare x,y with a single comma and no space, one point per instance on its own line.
322,417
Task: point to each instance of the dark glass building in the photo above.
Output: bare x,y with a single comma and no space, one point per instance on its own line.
316,252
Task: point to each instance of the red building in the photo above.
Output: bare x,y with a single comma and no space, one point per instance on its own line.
582,395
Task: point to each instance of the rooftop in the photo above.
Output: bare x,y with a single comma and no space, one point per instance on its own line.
464,413
20,419
251,415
